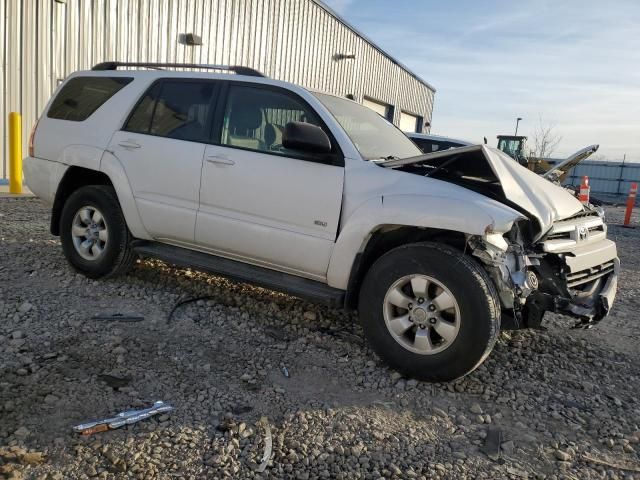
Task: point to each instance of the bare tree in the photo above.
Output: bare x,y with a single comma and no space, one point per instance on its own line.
544,140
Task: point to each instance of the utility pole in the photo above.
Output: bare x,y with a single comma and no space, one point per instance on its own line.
517,122
621,177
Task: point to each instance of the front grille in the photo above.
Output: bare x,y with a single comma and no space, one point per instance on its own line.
569,233
587,275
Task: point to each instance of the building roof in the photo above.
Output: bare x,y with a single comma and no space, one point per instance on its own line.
372,43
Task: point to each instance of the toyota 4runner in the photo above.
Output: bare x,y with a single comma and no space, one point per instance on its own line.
267,182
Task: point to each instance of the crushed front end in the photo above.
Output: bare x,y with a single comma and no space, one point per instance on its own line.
572,269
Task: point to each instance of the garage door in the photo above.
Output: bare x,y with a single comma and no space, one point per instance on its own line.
383,109
409,122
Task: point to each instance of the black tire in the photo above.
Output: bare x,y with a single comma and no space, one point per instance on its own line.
476,297
118,256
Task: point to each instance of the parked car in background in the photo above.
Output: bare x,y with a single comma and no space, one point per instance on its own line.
267,182
434,143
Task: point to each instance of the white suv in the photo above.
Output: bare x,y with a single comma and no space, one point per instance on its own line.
313,194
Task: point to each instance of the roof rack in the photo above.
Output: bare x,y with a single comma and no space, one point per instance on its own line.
237,69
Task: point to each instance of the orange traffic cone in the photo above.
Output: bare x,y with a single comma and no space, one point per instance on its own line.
583,196
631,200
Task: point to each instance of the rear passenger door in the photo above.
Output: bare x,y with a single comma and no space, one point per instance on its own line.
161,147
259,201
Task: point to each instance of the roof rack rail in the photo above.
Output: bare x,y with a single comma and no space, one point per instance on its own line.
237,69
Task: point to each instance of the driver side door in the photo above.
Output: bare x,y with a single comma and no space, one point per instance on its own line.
260,202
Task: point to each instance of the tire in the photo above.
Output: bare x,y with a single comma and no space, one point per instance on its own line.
115,255
412,343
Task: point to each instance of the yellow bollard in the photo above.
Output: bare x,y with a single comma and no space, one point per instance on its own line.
15,153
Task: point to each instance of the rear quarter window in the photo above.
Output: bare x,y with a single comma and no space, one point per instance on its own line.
81,96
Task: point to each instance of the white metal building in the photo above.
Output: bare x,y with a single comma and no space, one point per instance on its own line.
302,41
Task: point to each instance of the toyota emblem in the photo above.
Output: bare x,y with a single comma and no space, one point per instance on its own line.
583,233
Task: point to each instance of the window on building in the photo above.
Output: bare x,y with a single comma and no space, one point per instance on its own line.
410,122
383,109
81,96
255,118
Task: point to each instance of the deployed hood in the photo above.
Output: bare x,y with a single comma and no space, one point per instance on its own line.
556,172
489,171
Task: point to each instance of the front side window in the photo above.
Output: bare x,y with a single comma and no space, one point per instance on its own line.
374,137
81,96
175,109
255,118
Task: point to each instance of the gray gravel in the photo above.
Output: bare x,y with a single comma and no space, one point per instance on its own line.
564,401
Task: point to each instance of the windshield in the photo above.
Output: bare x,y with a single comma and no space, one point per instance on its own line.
373,136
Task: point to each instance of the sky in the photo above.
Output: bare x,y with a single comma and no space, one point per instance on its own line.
570,64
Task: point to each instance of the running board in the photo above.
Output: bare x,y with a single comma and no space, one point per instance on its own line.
262,277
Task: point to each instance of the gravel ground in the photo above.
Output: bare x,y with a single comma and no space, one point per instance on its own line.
564,401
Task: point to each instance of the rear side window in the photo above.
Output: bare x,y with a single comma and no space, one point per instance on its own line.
140,119
81,96
175,109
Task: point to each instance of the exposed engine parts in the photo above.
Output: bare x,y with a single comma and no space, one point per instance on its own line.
551,275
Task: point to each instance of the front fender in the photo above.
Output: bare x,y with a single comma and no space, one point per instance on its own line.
475,217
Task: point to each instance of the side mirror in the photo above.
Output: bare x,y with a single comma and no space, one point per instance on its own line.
305,137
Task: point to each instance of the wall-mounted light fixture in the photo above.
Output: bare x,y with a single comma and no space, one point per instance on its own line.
190,39
344,56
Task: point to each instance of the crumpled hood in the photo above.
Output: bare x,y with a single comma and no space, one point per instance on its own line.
538,197
534,194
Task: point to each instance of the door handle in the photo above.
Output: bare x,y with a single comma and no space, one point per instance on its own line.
129,144
220,159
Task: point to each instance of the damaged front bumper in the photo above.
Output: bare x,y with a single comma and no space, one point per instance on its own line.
564,273
589,305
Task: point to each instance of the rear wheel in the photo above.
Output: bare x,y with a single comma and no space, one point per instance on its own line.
94,234
429,311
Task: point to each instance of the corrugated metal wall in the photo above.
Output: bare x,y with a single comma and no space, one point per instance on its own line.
611,178
42,41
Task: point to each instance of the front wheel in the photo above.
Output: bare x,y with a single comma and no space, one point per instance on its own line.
94,234
429,311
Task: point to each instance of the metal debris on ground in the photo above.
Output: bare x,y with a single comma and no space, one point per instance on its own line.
491,447
597,461
127,417
285,372
268,445
186,301
118,317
